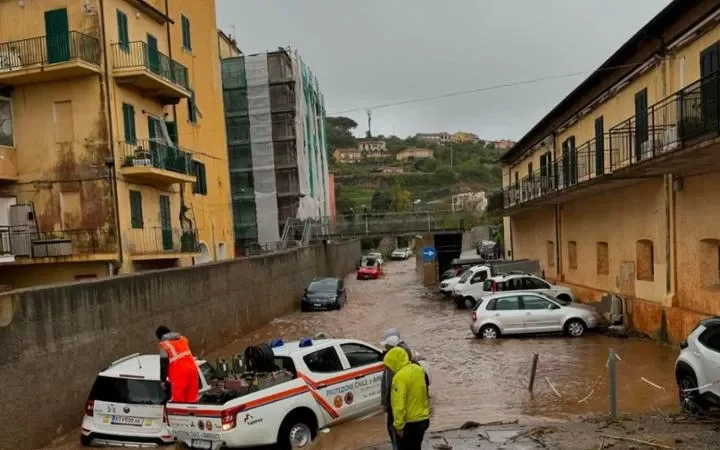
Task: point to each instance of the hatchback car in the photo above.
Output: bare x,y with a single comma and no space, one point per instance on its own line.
324,294
401,253
697,369
126,404
522,312
370,270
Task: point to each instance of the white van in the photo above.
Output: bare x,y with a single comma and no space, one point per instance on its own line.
126,404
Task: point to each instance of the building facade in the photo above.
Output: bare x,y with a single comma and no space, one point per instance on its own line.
373,148
437,138
414,153
503,144
109,159
614,190
275,120
462,137
347,155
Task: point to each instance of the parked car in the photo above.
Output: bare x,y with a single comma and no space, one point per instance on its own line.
698,367
126,404
370,270
324,294
377,256
521,312
401,253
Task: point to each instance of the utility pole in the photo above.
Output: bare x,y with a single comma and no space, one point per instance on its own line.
369,116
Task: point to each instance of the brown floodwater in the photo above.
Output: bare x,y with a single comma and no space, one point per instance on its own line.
473,379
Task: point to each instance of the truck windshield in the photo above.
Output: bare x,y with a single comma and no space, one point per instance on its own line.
466,276
121,390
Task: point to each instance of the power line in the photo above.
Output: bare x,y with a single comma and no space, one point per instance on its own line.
483,89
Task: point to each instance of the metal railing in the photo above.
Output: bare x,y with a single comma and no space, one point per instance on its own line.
159,240
56,243
46,50
139,54
151,153
670,124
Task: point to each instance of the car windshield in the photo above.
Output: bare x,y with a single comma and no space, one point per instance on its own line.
466,276
562,301
121,390
374,255
327,285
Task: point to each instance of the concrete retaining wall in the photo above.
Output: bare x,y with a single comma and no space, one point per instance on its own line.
54,340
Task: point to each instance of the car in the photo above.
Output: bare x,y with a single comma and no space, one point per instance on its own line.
401,253
377,257
324,382
370,270
126,405
697,368
523,312
477,283
324,294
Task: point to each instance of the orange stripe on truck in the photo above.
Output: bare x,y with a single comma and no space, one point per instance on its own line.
340,378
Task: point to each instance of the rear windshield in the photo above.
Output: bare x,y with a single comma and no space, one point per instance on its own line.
121,390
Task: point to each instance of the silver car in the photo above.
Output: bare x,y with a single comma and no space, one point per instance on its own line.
519,312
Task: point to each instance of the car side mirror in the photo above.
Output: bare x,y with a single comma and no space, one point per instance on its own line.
684,345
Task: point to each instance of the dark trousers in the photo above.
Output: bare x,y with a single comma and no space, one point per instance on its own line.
391,430
413,434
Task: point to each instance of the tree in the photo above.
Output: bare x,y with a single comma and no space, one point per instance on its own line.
339,132
344,123
401,200
382,200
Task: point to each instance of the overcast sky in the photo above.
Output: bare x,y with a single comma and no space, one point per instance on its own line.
371,52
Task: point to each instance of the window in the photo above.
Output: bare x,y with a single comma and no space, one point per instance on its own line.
551,254
121,390
285,363
136,212
208,372
129,123
186,39
6,128
359,355
192,108
599,146
645,260
572,255
603,261
535,303
323,361
534,283
123,34
491,305
710,338
479,277
709,263
508,304
200,184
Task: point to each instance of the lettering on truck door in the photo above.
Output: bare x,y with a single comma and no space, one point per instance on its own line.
367,367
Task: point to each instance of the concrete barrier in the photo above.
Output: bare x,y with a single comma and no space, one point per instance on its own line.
54,340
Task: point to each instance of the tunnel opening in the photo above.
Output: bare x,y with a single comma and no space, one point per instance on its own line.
448,247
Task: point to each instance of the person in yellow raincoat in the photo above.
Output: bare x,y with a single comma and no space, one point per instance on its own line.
408,399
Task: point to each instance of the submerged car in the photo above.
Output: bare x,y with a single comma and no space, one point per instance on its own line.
370,270
324,294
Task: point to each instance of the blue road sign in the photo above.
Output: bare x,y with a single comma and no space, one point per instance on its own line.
429,254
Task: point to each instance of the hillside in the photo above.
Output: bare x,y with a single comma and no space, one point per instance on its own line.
456,168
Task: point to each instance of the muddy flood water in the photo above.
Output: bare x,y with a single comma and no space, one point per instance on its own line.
473,379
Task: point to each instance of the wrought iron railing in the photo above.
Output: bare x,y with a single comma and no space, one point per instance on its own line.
46,50
56,243
139,54
152,153
159,240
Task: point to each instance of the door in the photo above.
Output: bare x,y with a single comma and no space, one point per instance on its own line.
708,354
57,32
166,223
477,283
328,379
641,124
158,156
599,146
509,314
566,163
153,56
366,364
709,63
541,315
534,284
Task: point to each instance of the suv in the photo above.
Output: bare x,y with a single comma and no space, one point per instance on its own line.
697,369
480,285
521,312
126,404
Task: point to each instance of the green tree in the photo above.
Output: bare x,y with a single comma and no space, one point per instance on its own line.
382,200
339,132
401,200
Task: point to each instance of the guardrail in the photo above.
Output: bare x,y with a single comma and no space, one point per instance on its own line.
139,54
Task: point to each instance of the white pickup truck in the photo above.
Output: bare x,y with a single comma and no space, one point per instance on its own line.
327,381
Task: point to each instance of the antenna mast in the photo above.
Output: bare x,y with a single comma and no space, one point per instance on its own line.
369,116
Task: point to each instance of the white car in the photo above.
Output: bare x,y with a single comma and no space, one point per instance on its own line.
377,257
521,312
126,404
447,286
476,283
697,369
401,253
326,381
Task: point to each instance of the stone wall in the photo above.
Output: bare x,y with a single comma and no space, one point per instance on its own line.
54,340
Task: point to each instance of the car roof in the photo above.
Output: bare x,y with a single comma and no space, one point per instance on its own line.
292,348
325,279
137,365
512,276
502,294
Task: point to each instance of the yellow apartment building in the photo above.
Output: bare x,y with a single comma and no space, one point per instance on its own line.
113,157
615,189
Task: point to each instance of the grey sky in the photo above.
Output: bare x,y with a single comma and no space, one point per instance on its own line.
370,52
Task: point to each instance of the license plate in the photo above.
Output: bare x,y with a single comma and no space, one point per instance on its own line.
317,305
127,420
198,443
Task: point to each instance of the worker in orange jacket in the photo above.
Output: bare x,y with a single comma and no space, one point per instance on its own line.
177,366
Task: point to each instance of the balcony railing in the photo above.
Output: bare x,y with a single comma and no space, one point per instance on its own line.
139,55
158,155
56,243
46,50
670,124
160,240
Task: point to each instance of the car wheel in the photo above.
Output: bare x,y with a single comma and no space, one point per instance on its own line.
296,431
469,302
489,332
575,328
85,441
690,402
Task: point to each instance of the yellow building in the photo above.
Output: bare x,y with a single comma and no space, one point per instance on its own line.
414,153
465,138
614,190
113,156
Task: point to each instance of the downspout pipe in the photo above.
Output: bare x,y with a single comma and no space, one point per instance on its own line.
108,106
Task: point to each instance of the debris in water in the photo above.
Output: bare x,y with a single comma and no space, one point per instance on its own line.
469,425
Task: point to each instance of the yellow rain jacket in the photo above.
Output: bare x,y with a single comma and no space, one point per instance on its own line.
409,396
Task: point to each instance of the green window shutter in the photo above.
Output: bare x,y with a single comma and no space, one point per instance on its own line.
129,123
196,172
192,112
186,38
204,180
172,131
123,33
136,213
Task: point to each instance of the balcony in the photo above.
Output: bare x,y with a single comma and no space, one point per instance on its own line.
54,246
8,165
161,243
49,58
150,72
148,161
679,135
